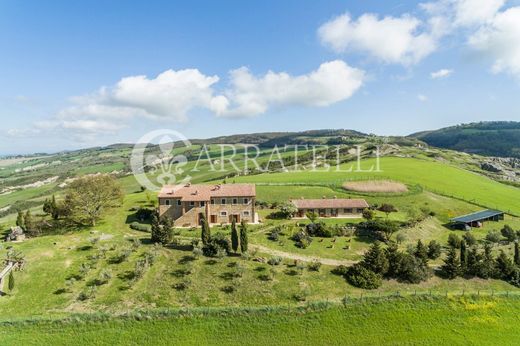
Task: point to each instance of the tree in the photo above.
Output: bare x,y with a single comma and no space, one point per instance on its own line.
508,233
463,255
387,209
493,237
517,254
20,221
375,259
473,262
361,277
434,250
51,207
243,237
421,252
287,210
234,236
10,283
368,214
488,267
451,267
454,241
469,238
394,258
90,196
28,221
504,265
162,229
205,234
412,270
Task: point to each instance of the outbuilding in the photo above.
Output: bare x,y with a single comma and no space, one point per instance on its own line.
476,219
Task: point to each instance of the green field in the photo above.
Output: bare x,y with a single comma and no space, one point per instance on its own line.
426,321
434,176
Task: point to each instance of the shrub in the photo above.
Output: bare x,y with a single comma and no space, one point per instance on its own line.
314,266
218,246
359,276
378,229
274,235
340,270
274,261
144,214
302,239
508,233
493,237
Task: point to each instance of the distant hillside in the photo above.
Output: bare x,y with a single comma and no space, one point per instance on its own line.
501,138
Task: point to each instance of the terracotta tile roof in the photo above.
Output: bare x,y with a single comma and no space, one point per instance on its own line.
200,192
329,203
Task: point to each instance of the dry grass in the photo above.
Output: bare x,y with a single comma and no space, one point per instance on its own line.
375,186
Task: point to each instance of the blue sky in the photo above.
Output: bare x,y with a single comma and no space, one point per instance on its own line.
70,70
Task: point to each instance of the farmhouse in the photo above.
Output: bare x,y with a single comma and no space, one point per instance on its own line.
333,207
188,204
476,219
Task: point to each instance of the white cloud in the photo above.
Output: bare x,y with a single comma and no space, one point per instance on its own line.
398,40
249,95
422,98
500,40
464,13
442,73
173,94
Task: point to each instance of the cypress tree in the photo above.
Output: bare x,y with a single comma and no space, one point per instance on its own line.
451,266
54,208
19,220
243,237
205,232
488,269
463,255
504,266
28,221
421,252
10,283
234,236
517,254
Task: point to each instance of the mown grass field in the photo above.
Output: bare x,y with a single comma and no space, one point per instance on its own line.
433,176
425,321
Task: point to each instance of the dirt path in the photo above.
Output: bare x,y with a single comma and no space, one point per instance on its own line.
303,258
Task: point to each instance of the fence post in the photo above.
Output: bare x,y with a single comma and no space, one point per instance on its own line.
478,293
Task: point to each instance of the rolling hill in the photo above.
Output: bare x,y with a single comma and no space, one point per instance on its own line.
501,138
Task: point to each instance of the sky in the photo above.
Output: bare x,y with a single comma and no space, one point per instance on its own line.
76,74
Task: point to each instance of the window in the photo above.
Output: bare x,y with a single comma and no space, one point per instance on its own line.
212,201
246,213
223,213
235,200
202,203
167,202
347,211
192,204
179,202
246,200
223,201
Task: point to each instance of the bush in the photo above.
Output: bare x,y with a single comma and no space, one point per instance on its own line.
274,261
508,233
302,239
140,227
434,250
218,246
469,238
314,266
274,235
493,237
361,277
340,270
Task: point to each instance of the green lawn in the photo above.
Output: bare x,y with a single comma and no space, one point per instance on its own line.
425,321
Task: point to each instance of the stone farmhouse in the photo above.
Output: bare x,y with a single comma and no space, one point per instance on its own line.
188,204
333,207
